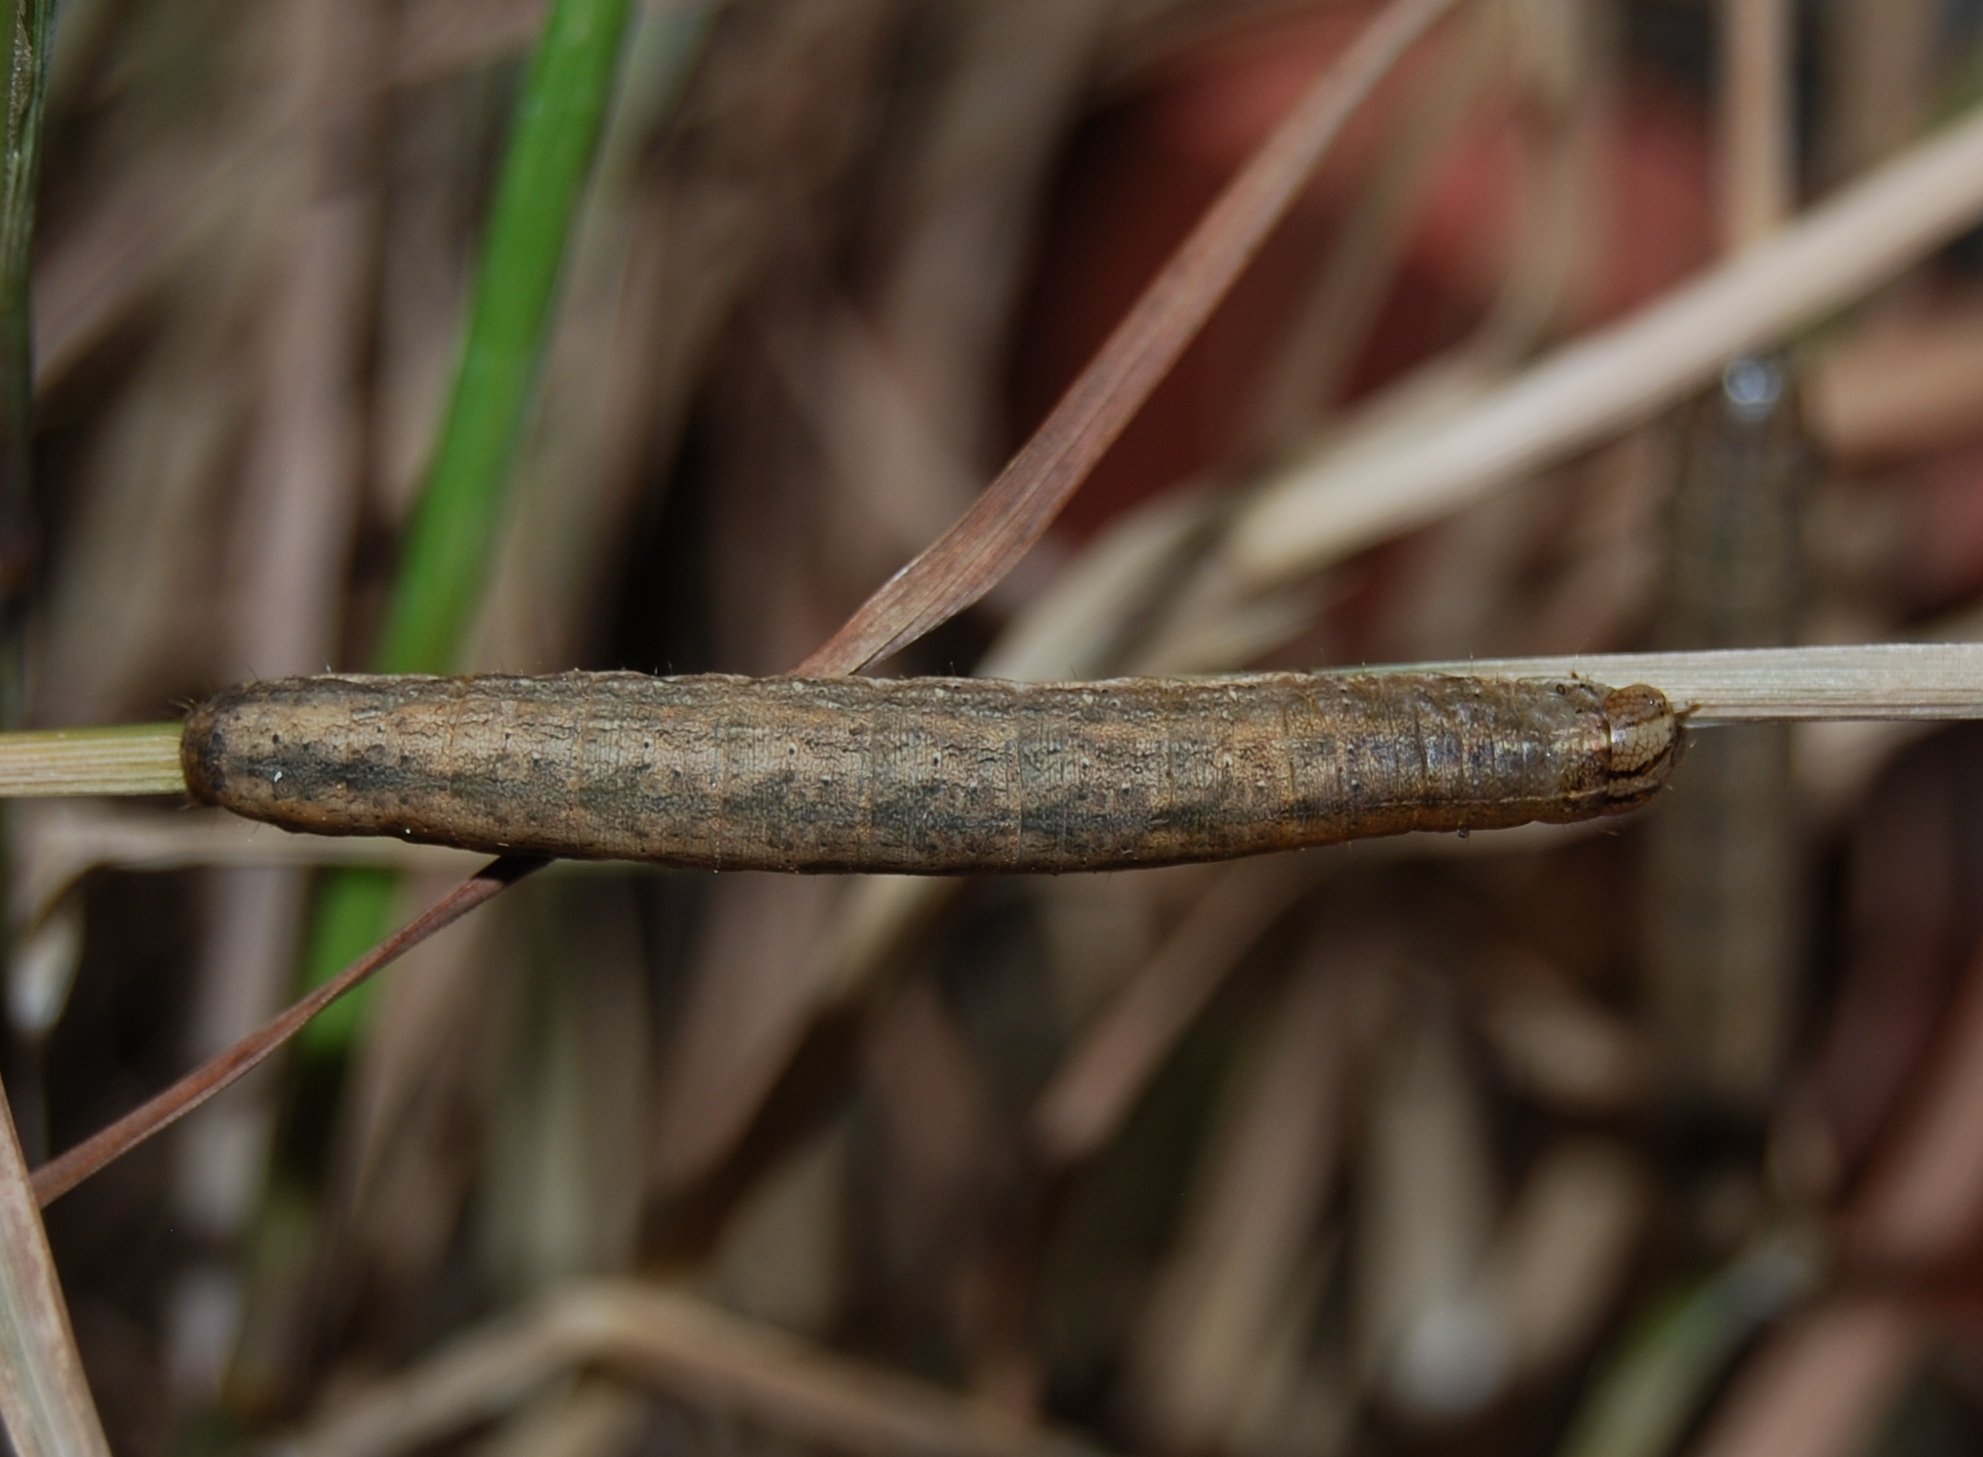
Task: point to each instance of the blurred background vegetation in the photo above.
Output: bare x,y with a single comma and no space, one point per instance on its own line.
1653,1139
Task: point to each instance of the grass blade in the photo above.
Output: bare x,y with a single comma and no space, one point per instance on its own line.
59,1175
451,540
1340,500
138,759
559,120
965,562
43,1397
1888,681
20,171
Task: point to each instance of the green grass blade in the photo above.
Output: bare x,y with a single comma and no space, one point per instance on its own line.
452,538
450,543
1641,1406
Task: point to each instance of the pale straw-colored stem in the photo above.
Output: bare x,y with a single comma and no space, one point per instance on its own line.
130,759
1757,160
1735,685
1878,681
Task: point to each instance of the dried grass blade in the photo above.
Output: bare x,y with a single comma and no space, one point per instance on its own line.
43,1397
1877,681
1015,510
696,1350
1758,165
45,1400
53,763
1337,501
59,1175
696,1353
1821,1385
1092,1093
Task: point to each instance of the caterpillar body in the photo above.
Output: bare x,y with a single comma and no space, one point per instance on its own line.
921,775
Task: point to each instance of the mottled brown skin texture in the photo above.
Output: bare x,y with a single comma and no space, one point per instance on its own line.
921,775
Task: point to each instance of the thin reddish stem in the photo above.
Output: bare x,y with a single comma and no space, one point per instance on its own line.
1014,512
61,1174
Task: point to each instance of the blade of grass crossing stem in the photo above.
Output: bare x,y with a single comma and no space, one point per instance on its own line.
59,1175
451,540
1015,511
44,1400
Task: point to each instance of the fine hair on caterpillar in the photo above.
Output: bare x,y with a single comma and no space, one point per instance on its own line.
922,775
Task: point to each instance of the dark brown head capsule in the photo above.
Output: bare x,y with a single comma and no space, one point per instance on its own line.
1645,740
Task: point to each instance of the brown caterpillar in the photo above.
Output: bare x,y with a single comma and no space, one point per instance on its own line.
922,775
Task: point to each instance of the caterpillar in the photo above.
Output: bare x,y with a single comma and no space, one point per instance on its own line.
922,775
